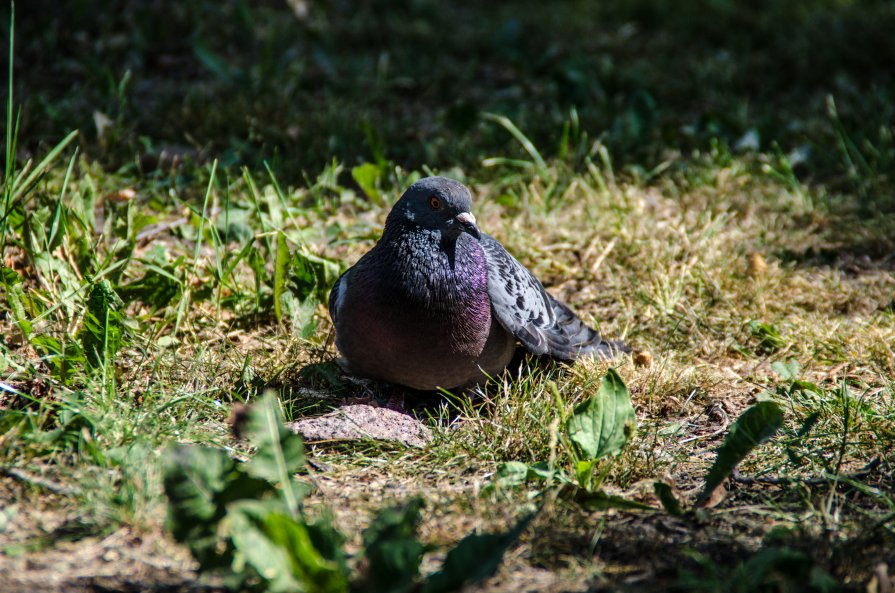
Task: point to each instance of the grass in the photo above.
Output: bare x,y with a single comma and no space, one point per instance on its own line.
740,233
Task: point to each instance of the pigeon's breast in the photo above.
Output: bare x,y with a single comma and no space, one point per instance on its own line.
421,316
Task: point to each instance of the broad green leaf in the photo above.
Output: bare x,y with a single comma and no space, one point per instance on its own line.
392,549
328,540
245,524
303,289
584,471
300,314
511,473
666,496
541,471
602,501
281,550
312,275
602,425
309,567
193,479
367,177
474,559
279,452
193,476
303,277
305,280
788,371
754,426
806,386
200,482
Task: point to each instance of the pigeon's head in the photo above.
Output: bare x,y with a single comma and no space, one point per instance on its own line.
438,204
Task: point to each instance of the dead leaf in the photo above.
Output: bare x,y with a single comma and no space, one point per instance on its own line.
642,358
757,265
716,496
122,195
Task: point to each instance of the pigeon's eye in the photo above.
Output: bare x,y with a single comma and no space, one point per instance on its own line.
435,203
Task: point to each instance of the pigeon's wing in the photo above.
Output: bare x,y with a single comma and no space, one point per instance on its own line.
572,338
518,299
543,324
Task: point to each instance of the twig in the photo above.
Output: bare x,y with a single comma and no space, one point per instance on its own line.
861,473
50,485
705,436
152,230
599,261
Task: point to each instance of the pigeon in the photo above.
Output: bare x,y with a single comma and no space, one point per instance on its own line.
437,303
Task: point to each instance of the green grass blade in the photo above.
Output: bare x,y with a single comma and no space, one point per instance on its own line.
281,266
208,191
527,144
21,186
10,155
57,215
10,135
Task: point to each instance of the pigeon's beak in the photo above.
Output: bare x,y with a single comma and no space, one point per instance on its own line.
467,223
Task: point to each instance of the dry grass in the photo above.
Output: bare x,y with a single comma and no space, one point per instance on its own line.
677,270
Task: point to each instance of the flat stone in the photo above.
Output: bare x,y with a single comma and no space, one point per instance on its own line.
361,421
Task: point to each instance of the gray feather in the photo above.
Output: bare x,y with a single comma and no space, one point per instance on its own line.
337,296
543,324
518,299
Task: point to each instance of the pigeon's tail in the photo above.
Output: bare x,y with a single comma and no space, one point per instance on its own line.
571,338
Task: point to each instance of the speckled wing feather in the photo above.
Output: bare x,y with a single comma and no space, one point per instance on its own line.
543,324
572,338
518,299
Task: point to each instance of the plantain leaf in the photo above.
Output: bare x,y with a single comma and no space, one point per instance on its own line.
199,482
474,559
392,549
281,549
279,452
754,426
602,425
